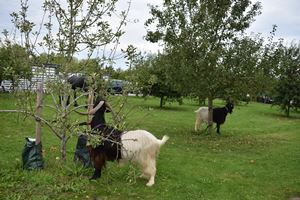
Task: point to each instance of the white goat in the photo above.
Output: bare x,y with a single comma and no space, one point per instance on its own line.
141,147
201,116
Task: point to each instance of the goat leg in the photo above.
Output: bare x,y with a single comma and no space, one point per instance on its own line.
207,128
218,128
75,101
96,175
68,100
99,160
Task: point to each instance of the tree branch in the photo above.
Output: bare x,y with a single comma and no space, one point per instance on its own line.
37,118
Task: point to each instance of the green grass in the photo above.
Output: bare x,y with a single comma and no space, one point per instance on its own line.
256,157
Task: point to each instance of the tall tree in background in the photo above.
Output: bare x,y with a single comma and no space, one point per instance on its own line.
241,67
151,77
162,85
199,33
268,67
14,63
287,89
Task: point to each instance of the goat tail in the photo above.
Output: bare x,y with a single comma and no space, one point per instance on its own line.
163,140
198,110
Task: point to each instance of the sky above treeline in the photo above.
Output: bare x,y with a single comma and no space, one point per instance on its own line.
284,13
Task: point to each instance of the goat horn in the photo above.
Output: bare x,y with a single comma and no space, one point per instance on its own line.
94,110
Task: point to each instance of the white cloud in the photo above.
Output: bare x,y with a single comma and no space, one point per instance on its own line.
285,14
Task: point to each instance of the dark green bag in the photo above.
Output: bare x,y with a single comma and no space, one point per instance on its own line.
82,154
32,155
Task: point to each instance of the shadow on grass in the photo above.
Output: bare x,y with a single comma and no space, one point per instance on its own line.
230,141
165,108
203,134
293,116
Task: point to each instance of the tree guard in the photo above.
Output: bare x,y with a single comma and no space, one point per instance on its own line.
32,155
82,154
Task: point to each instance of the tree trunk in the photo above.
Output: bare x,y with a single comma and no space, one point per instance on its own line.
210,115
201,101
63,147
161,102
288,111
13,82
39,108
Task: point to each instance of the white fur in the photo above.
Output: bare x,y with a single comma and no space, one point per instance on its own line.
201,116
141,147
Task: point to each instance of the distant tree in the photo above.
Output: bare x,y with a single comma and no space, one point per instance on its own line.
268,68
14,63
75,64
287,90
115,73
199,32
162,86
140,75
245,68
152,78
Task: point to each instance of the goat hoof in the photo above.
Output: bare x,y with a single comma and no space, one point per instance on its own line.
93,178
149,184
151,181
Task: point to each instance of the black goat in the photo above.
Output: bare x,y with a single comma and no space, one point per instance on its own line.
77,82
219,115
110,148
137,146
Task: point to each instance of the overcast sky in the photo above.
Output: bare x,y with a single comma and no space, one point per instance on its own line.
284,13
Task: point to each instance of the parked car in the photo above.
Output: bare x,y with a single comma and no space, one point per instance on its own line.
116,86
6,86
264,99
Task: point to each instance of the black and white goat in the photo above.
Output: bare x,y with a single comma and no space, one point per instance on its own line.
137,146
219,115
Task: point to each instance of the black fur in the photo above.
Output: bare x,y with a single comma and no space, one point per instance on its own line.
219,115
110,147
77,82
110,144
99,118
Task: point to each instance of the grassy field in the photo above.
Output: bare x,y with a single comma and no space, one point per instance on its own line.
256,157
